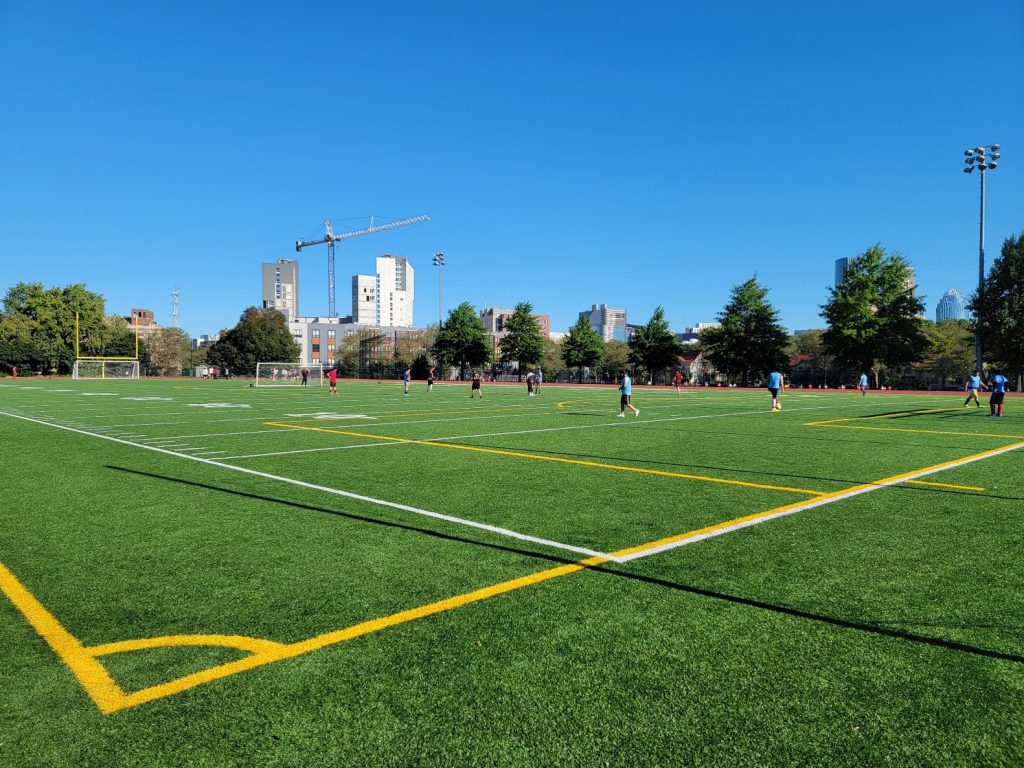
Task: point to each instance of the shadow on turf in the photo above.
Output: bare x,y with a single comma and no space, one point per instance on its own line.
758,472
612,571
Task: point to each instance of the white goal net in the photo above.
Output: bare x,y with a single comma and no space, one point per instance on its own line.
289,375
105,369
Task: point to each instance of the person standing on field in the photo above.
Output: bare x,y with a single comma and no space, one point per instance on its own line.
775,383
677,381
973,385
430,380
406,378
305,377
332,377
863,383
474,388
625,395
995,400
537,381
530,383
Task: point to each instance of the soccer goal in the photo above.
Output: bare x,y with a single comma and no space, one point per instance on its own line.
99,368
288,374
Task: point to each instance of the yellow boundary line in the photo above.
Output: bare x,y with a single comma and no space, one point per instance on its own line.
946,485
556,459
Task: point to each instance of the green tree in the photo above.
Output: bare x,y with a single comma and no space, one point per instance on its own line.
654,347
168,350
552,362
749,341
950,349
582,347
523,340
261,336
49,316
615,359
463,340
874,315
999,310
810,345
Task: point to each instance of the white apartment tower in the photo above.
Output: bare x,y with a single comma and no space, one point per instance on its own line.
390,294
281,287
364,299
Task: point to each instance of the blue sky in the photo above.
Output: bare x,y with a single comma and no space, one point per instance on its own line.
634,154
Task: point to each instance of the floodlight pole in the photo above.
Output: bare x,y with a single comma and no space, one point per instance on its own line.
976,158
438,261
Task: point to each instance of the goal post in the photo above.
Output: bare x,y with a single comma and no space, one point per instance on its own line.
105,368
289,374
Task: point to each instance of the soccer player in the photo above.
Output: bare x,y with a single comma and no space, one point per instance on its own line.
474,388
774,385
332,377
971,387
530,383
537,381
625,395
677,380
995,400
305,377
406,378
864,383
430,380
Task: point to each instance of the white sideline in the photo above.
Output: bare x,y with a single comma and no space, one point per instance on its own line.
818,503
358,497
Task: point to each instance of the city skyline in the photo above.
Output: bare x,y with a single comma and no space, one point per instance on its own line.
617,159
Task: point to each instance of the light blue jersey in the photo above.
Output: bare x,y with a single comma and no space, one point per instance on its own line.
774,380
864,380
999,383
974,384
627,385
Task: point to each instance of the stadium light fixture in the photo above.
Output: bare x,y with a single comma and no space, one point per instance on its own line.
976,158
438,261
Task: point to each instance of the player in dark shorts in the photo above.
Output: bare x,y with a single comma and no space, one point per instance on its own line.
430,380
475,387
995,400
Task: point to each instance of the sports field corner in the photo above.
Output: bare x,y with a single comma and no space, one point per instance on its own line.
204,573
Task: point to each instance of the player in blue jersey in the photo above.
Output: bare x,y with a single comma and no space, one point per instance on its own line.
863,383
775,383
406,378
971,387
995,400
625,395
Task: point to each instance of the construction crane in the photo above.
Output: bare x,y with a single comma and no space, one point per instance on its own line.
330,238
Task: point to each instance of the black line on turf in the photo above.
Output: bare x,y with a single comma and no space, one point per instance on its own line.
609,570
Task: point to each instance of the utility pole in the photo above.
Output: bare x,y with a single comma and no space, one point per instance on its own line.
976,158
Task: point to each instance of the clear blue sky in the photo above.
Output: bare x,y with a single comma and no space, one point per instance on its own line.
634,154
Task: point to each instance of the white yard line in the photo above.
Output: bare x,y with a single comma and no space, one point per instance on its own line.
347,494
613,424
792,509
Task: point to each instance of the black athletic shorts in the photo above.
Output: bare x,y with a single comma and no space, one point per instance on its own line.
623,400
775,392
476,384
997,398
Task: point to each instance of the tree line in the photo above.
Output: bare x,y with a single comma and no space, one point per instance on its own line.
874,321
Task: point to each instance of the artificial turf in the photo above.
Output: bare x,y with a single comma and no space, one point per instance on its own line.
883,629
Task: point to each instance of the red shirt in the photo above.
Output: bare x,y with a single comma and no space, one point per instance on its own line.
332,376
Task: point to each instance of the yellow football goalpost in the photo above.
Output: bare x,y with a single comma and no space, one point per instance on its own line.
106,366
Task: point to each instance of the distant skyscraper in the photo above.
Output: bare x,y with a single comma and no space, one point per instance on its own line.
281,287
610,323
951,306
364,299
841,266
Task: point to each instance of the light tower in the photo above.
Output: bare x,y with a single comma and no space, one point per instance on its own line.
175,306
984,159
438,261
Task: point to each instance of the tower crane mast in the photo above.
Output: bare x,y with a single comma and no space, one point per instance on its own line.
330,239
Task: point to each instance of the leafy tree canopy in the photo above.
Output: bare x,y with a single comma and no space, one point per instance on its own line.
654,347
950,351
582,346
749,340
261,336
874,315
523,340
999,310
463,340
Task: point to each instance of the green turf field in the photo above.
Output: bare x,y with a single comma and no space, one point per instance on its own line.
203,573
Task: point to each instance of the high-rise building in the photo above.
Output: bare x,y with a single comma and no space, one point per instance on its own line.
951,306
841,266
364,299
610,323
281,287
392,289
495,317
